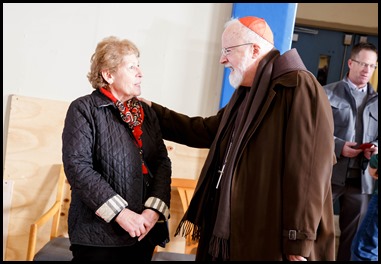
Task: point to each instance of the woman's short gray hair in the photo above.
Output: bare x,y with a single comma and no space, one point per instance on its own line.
108,55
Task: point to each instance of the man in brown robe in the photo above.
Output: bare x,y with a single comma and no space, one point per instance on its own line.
264,192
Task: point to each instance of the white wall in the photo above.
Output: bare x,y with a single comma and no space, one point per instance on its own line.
47,50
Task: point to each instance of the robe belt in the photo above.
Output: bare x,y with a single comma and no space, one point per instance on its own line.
295,234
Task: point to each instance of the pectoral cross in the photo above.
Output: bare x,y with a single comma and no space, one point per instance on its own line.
225,160
220,172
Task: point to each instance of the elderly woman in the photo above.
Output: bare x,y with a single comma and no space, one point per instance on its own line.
116,163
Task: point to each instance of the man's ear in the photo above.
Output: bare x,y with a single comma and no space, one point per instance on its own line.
256,51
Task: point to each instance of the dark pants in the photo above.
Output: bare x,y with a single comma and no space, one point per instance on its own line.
353,206
365,243
140,251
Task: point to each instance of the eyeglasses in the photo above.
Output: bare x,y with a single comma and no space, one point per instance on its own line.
365,65
226,51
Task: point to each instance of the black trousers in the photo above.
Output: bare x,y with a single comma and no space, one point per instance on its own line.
140,251
353,206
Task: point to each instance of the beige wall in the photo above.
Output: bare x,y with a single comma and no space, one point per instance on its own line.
354,18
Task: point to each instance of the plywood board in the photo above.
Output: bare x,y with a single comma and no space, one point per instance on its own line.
31,162
7,198
187,162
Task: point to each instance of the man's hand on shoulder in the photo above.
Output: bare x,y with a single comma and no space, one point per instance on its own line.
149,103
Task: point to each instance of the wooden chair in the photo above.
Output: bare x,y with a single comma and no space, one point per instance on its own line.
57,248
185,188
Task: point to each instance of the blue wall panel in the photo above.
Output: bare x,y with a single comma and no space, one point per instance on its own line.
281,19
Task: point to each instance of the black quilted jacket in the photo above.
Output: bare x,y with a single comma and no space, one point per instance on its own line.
101,160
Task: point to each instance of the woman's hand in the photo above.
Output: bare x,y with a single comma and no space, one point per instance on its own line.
133,223
151,217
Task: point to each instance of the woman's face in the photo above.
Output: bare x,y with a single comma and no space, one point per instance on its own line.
126,80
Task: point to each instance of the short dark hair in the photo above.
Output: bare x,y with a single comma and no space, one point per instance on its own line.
361,46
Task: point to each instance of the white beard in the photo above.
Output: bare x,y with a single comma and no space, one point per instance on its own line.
235,79
236,75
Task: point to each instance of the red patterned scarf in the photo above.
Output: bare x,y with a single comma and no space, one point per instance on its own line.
132,113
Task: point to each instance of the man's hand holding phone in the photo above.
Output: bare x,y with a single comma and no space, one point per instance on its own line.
364,146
